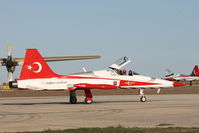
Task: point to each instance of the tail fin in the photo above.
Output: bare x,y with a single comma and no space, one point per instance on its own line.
195,71
35,67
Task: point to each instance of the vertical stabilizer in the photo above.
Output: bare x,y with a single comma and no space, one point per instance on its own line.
195,71
35,66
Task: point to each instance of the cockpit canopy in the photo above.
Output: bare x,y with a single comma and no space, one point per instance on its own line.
169,75
120,63
115,69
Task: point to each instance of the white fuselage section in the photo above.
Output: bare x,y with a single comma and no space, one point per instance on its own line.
104,77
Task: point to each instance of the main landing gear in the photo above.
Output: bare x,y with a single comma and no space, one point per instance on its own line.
89,97
88,94
142,98
190,83
73,98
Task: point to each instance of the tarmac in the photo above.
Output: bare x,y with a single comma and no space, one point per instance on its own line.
42,113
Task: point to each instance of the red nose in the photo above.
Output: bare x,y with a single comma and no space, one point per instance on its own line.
176,84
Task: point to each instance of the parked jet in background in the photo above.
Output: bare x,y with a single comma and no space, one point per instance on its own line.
183,77
37,75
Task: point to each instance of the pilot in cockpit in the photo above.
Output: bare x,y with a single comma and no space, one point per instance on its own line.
124,72
130,73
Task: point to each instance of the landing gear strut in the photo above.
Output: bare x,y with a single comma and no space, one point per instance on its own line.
190,83
89,97
73,99
142,98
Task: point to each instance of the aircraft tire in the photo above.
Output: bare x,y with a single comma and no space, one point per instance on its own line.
88,101
143,99
73,100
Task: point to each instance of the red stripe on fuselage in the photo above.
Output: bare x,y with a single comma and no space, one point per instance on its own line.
96,86
136,83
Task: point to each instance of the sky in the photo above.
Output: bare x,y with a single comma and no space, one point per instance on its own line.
156,35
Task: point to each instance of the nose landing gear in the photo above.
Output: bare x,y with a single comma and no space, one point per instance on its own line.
142,98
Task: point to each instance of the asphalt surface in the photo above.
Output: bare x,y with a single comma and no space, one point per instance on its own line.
41,113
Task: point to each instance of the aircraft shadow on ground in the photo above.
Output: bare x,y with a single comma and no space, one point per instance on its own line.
78,103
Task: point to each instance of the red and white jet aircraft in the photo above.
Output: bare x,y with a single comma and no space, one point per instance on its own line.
37,75
183,77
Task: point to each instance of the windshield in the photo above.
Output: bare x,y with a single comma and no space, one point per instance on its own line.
169,75
105,73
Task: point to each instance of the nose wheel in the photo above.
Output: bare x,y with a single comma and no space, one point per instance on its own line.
142,98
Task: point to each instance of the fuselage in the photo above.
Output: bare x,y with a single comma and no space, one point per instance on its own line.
104,79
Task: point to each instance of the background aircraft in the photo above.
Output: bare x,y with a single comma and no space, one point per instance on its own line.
37,75
10,63
183,77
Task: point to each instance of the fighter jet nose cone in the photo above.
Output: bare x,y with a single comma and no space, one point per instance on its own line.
176,84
